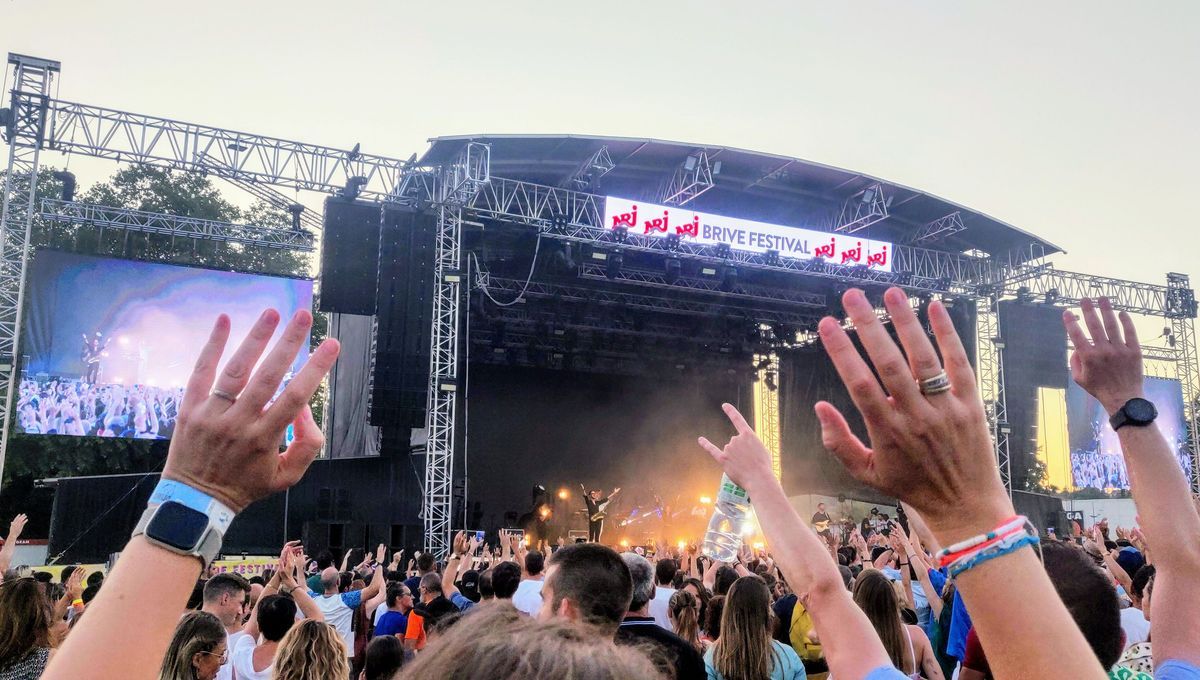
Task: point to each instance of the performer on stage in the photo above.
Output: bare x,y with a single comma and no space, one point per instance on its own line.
93,349
820,521
596,509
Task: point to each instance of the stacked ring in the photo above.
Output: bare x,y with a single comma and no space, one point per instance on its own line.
222,394
935,385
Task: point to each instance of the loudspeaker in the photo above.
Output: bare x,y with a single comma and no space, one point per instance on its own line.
404,313
349,256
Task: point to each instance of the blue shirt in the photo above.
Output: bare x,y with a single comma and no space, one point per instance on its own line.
886,673
391,623
785,664
960,620
1176,670
462,602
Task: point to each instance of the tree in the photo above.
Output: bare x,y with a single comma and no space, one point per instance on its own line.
32,457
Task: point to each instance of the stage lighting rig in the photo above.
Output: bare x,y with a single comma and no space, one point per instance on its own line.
353,187
771,258
673,268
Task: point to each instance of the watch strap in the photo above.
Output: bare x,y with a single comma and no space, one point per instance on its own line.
218,513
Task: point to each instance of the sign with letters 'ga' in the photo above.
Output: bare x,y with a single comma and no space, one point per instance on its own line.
741,234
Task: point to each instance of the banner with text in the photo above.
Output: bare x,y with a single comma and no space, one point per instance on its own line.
741,234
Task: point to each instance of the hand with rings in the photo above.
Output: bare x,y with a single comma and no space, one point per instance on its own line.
929,440
227,438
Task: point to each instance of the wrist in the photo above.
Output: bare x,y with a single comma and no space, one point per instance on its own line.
970,520
208,489
1113,403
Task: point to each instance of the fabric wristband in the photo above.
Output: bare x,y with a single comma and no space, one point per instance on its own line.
173,490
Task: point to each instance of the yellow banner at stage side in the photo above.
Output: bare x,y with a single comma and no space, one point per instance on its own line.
55,570
248,566
1053,440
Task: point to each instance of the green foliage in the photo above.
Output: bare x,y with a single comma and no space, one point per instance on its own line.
157,190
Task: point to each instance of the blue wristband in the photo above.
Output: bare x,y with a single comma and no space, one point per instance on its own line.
172,490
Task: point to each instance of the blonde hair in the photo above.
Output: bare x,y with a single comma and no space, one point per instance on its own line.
311,650
744,650
496,641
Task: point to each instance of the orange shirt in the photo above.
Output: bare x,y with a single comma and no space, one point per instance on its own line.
416,629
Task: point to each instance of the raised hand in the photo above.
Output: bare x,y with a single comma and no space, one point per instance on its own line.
460,543
380,553
227,438
744,459
16,526
1109,366
74,585
930,450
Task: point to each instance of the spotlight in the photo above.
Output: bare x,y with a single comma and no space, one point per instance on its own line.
353,186
615,261
705,500
772,258
770,382
563,494
673,268
724,251
620,234
673,242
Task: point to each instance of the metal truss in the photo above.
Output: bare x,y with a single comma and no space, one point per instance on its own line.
72,127
939,229
458,181
744,292
863,209
1180,292
24,126
692,178
105,217
990,367
576,216
766,402
588,174
1046,284
274,197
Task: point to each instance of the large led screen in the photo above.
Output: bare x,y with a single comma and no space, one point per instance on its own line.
1096,459
108,344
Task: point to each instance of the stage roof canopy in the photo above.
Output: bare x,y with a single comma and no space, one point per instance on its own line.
750,184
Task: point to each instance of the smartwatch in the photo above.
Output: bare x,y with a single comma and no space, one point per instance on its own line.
185,520
1137,412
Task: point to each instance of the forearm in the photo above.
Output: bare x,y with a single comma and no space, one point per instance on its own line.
1021,621
1166,513
1118,572
849,641
307,605
159,582
376,585
450,574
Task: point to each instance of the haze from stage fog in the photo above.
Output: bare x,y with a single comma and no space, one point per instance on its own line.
1070,120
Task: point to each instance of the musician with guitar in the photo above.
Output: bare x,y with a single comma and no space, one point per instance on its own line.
597,510
93,352
820,521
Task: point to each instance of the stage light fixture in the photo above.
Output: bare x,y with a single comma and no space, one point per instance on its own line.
770,381
716,168
620,234
615,261
68,184
771,258
673,269
672,242
690,162
353,187
724,251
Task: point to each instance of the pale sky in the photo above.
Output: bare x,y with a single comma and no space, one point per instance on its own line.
1073,120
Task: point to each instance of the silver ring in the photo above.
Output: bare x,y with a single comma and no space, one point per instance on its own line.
222,394
935,385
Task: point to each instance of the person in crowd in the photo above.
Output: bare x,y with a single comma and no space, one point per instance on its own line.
312,650
28,632
696,587
426,564
506,578
528,598
394,620
15,527
227,597
1134,623
726,575
197,650
664,575
497,641
1140,656
587,583
906,645
676,657
284,597
338,607
712,618
432,609
384,658
745,650
684,613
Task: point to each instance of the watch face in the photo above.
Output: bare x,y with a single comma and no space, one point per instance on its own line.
1140,411
177,525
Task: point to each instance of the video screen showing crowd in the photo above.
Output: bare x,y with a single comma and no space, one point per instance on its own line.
108,343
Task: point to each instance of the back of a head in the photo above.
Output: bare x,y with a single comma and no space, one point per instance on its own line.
664,571
426,563
1140,579
233,585
197,632
595,579
1088,595
535,562
324,560
276,615
395,591
744,647
384,658
486,590
311,650
641,572
431,584
506,576
330,579
496,641
24,619
726,575
684,612
874,594
713,613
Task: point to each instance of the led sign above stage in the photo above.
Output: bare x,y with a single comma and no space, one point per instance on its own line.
741,234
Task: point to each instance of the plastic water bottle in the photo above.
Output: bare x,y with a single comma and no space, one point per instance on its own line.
724,535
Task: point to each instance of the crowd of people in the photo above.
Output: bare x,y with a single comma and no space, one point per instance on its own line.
75,407
959,585
1098,470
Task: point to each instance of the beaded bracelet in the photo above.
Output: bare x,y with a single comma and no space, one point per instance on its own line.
953,552
1005,546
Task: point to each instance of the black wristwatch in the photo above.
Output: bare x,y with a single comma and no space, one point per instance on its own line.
1137,412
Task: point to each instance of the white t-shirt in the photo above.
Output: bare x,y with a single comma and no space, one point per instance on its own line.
339,612
659,606
225,672
241,659
1135,625
528,598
